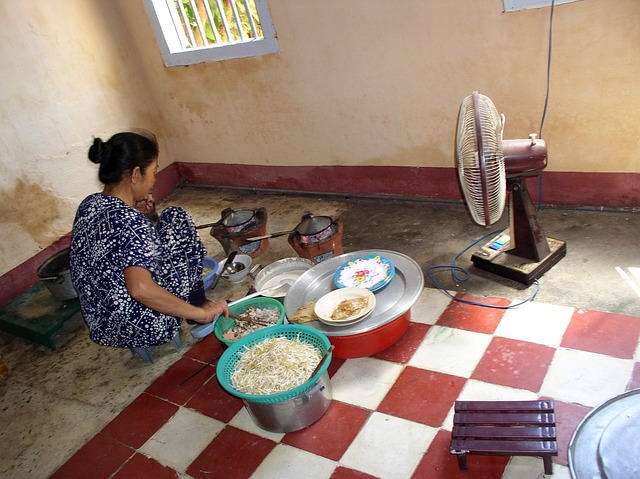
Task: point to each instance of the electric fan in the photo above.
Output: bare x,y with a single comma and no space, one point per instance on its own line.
487,166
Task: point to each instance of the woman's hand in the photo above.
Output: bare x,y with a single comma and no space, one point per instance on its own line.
145,205
142,288
212,309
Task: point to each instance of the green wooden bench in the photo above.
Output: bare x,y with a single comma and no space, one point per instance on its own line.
37,315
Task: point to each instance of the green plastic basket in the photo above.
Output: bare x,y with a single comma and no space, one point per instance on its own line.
223,324
228,360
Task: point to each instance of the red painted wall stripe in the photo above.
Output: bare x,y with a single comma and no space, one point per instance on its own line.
610,190
569,189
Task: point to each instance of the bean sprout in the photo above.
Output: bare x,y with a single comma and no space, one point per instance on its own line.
274,365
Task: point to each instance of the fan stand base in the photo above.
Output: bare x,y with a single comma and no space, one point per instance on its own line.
496,257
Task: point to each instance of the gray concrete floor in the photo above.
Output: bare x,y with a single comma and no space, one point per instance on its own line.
55,401
602,247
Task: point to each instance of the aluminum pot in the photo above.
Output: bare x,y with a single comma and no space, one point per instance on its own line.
295,413
237,220
309,226
313,225
233,220
55,273
289,410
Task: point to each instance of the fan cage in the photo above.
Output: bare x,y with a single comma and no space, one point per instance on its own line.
483,186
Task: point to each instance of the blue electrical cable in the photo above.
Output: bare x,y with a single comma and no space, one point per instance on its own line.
466,276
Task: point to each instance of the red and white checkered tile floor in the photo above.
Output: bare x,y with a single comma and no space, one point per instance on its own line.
391,415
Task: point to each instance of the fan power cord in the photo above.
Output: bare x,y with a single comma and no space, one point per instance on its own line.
549,50
546,97
462,275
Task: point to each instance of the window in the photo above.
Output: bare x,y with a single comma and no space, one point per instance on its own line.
513,5
197,31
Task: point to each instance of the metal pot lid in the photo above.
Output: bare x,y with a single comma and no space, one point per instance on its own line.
237,218
311,225
392,301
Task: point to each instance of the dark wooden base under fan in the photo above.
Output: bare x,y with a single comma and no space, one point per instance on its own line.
497,257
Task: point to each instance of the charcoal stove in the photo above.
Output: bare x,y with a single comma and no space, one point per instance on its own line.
235,226
317,238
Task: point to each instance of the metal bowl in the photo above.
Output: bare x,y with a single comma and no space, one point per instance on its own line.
239,271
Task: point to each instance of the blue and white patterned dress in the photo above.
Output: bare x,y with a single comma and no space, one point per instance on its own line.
110,236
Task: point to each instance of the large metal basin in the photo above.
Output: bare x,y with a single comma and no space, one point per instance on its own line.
393,302
605,443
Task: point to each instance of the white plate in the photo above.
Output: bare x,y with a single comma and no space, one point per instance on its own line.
329,302
349,322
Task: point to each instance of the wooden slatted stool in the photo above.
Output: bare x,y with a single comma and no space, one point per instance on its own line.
504,428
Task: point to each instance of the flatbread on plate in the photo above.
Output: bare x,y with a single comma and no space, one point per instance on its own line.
304,314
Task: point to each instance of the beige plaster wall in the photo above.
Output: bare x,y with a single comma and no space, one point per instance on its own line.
369,82
358,82
69,71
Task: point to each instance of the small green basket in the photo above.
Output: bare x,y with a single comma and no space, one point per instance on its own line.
223,324
230,357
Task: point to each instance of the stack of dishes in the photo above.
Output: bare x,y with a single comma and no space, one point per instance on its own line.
345,306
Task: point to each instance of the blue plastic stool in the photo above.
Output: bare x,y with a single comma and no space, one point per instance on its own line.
145,353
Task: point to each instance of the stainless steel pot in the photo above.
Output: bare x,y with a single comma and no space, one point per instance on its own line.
237,219
312,225
309,225
233,220
55,273
295,413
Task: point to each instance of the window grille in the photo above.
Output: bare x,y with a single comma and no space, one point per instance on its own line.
196,31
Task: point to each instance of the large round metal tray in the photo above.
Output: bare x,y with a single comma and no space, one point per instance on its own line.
586,456
392,301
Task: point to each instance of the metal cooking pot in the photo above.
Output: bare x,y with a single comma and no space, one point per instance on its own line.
55,273
309,225
312,225
232,219
295,413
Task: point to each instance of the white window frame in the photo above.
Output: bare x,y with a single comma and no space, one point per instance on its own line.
174,48
515,5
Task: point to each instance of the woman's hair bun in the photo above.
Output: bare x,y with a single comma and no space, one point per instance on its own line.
99,152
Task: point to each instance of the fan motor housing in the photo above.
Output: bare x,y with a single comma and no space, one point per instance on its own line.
524,157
